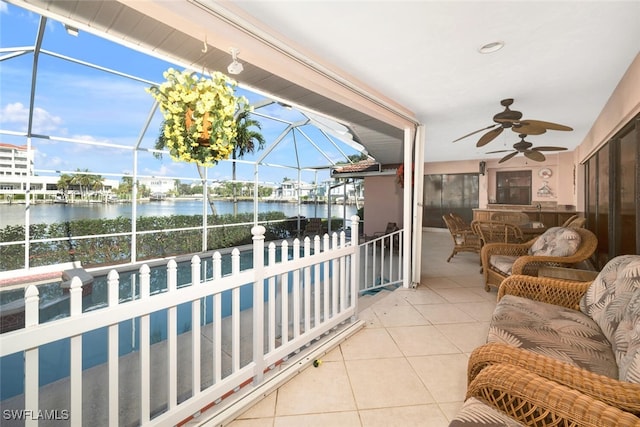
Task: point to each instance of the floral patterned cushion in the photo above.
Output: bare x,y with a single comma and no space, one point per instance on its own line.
613,302
562,333
502,263
475,413
556,241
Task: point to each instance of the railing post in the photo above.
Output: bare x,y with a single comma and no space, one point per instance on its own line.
75,371
113,280
355,264
31,356
172,338
195,328
258,303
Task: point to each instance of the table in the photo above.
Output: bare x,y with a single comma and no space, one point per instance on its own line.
567,273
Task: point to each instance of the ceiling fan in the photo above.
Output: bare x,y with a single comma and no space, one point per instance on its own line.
524,147
513,119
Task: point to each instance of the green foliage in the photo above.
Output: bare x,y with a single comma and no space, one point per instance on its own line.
75,241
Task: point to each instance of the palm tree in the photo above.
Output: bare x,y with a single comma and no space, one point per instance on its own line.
246,141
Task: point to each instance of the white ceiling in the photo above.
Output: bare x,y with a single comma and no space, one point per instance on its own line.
561,60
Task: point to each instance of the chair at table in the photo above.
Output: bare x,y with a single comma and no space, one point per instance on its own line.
459,222
517,218
464,239
558,247
497,232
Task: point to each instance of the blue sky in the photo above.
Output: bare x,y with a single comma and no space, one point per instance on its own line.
74,101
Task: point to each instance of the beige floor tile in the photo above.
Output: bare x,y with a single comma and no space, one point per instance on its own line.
406,416
421,340
370,344
480,311
316,390
421,295
334,355
391,300
254,422
438,283
444,313
450,409
263,409
384,383
405,315
466,336
444,375
459,295
341,419
370,318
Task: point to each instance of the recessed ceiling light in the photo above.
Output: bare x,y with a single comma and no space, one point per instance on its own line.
491,47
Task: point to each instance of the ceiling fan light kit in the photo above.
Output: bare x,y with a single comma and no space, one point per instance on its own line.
512,119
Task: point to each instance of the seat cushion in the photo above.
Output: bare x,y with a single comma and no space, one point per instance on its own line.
502,263
556,241
558,332
613,302
475,413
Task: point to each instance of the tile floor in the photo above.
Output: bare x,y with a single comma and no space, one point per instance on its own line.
407,367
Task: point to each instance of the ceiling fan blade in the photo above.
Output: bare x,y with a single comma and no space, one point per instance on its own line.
507,157
528,129
549,148
489,136
545,125
499,151
474,132
534,155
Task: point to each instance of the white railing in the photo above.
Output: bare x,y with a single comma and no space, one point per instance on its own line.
381,262
183,373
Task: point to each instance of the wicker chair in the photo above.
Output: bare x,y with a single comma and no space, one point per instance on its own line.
497,232
529,264
615,394
533,400
517,218
464,240
459,222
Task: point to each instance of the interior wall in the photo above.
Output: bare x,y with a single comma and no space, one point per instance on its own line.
561,182
621,107
382,203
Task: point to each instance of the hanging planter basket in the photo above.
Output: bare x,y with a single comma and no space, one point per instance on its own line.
199,116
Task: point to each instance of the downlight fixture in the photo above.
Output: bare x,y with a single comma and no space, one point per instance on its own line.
235,67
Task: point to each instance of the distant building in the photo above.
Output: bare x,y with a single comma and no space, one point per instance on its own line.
291,190
158,185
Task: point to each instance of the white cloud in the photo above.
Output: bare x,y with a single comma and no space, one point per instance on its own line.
18,114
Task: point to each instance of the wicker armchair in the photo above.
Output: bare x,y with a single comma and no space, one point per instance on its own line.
533,400
621,395
464,240
529,264
497,232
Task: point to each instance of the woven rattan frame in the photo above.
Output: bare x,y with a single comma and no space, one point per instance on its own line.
619,394
464,240
536,401
530,264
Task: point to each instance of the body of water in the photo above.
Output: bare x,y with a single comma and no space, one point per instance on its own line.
14,214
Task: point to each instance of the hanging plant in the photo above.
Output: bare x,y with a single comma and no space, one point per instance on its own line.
400,175
199,116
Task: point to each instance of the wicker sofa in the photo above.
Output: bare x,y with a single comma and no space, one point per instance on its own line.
558,246
561,352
